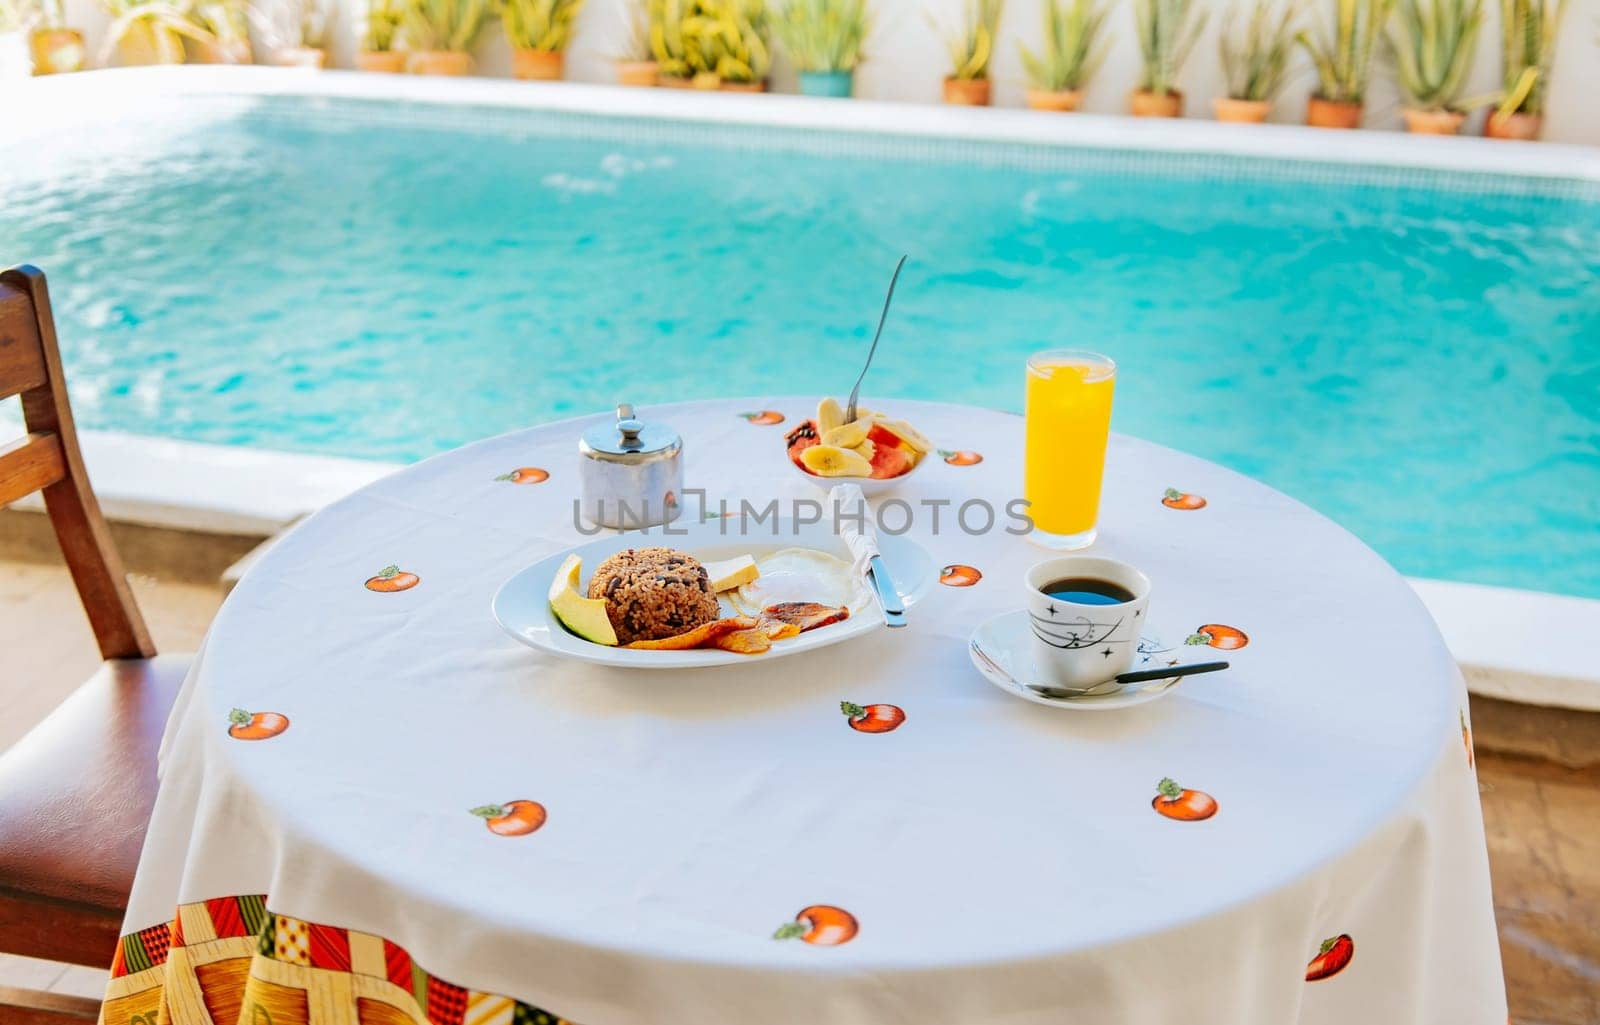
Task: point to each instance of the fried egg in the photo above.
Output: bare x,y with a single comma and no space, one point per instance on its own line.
801,574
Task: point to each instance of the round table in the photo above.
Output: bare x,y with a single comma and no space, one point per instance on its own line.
993,860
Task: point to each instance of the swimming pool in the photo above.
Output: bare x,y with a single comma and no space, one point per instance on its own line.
1416,355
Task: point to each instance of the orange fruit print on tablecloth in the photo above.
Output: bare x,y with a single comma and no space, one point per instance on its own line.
1183,805
957,575
1227,638
765,417
872,718
1175,499
1332,958
514,818
1466,738
256,726
526,475
392,578
821,925
960,457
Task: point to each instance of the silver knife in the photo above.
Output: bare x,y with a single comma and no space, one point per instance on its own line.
894,610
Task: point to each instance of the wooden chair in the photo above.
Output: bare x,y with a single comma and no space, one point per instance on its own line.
76,792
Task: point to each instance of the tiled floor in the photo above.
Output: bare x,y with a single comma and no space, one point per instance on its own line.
46,648
1543,826
1543,820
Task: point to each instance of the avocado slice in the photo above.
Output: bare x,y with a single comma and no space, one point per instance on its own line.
585,617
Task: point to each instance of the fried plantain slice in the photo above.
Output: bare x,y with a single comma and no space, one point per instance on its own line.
777,630
699,637
744,642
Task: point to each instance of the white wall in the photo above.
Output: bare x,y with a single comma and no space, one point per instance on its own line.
907,59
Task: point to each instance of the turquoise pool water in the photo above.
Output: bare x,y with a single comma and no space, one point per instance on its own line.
1418,357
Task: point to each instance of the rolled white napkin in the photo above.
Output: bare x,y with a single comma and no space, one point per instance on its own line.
854,519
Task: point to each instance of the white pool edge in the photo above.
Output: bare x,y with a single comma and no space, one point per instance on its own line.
1514,645
209,489
45,102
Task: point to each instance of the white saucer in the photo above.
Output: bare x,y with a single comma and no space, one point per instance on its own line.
1001,651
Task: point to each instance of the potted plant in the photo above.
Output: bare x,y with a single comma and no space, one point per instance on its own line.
1434,43
439,33
294,31
378,51
637,65
538,31
55,47
824,39
1343,59
229,29
1255,60
970,51
150,31
726,44
1073,50
1527,50
1168,30
665,19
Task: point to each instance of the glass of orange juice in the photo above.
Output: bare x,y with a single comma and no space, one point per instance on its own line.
1068,421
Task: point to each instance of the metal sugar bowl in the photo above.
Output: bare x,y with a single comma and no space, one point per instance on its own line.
630,473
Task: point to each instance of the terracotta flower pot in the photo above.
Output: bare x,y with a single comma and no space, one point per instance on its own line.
223,51
1321,113
742,87
57,50
967,92
439,62
674,82
145,44
1243,112
1059,100
1433,122
301,57
1525,127
538,65
642,73
1149,104
391,62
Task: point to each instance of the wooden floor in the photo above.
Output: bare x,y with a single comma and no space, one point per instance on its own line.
1542,819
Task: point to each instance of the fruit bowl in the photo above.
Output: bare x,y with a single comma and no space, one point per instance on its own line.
874,451
870,486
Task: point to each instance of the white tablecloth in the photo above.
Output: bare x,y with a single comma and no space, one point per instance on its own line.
1002,860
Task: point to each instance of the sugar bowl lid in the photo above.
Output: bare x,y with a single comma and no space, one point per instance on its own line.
630,439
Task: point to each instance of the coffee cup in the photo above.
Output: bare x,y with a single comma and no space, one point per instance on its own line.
1086,614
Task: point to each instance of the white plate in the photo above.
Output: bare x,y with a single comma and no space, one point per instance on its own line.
522,605
1000,650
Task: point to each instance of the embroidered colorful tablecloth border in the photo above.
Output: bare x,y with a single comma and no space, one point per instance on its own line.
231,961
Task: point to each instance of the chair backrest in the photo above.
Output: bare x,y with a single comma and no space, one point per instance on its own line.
47,459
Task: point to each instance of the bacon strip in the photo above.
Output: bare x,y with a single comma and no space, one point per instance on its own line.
807,615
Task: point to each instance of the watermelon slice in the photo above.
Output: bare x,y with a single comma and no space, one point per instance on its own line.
891,461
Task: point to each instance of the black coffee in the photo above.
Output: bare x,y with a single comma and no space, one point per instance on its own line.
1087,591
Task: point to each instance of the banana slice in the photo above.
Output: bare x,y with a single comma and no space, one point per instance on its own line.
833,461
829,415
848,435
908,434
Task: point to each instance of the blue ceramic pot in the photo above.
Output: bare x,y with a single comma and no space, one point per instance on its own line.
827,83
